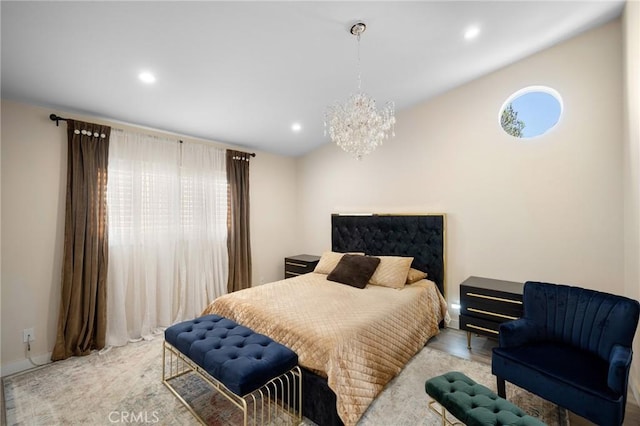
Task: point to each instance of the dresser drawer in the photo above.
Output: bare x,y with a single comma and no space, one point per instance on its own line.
296,267
300,264
488,313
491,296
479,326
497,306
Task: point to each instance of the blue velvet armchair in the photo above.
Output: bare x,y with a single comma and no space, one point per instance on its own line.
572,347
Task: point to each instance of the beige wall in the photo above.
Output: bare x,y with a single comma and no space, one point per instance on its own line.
545,209
631,168
33,181
273,215
33,178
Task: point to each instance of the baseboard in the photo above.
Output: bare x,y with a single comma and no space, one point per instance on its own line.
24,365
635,389
454,323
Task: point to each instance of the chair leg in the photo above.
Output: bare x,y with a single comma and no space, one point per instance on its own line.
501,387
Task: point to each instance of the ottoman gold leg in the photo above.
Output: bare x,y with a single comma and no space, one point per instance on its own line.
442,412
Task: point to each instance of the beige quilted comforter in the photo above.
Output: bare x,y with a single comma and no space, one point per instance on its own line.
358,338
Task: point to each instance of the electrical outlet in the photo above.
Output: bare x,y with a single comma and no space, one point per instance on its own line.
28,335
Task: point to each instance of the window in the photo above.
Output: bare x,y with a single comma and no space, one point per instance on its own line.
531,112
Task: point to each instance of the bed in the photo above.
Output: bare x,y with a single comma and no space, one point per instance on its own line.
351,341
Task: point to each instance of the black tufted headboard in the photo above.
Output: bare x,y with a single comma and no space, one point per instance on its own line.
419,236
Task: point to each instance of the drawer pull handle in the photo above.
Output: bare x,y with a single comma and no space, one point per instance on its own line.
494,314
292,273
482,328
500,299
302,265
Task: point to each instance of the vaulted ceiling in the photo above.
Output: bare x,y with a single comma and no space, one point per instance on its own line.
244,72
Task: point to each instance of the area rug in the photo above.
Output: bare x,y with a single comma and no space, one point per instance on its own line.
124,385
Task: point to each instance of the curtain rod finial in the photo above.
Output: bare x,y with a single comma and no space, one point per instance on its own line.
56,118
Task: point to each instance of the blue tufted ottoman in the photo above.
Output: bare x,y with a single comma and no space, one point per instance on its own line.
474,404
246,367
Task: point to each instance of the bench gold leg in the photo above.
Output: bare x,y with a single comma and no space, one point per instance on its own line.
442,412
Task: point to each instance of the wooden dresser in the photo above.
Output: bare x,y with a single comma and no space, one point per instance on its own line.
300,264
485,303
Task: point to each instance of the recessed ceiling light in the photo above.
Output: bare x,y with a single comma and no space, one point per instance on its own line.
296,127
471,32
147,77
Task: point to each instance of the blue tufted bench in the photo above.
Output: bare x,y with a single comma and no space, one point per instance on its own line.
474,404
242,365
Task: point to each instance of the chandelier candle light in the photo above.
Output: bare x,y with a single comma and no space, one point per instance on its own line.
356,125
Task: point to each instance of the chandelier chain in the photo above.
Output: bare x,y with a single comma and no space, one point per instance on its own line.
359,65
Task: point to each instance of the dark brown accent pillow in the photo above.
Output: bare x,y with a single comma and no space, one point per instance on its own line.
354,270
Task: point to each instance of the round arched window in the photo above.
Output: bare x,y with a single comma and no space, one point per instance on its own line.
531,112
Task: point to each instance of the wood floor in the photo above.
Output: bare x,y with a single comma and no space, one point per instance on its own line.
454,342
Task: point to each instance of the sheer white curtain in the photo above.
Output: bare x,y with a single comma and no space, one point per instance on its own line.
167,206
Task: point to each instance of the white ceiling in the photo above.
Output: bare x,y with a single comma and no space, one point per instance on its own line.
243,72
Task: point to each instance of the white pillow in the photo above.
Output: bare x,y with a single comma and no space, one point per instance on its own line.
328,262
392,271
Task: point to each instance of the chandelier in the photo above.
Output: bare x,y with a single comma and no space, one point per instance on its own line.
356,125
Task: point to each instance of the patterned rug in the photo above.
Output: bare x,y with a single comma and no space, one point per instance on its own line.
124,385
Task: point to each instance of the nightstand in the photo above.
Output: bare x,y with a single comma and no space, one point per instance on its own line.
300,264
485,303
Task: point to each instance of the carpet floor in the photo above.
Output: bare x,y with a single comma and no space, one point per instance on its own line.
124,385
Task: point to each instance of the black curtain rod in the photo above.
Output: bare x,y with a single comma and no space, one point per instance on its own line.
58,119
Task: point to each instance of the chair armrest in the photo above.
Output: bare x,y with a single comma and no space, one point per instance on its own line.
518,332
619,364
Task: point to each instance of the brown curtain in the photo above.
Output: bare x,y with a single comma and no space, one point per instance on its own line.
238,241
82,317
